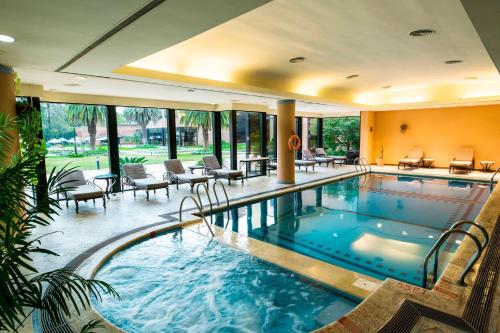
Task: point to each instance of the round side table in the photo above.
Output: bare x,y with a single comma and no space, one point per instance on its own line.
110,179
486,165
197,167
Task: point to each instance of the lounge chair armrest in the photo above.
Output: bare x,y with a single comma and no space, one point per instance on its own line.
126,180
94,185
169,175
150,176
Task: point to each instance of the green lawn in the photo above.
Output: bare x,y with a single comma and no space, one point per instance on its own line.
89,162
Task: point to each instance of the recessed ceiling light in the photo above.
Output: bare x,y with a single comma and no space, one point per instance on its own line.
191,90
470,77
297,60
80,77
452,62
386,87
7,39
422,32
352,76
72,84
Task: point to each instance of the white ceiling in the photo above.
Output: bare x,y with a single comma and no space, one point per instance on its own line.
254,39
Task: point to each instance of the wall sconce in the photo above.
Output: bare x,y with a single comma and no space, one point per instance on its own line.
403,128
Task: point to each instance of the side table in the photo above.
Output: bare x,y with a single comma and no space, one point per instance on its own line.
486,165
427,162
110,179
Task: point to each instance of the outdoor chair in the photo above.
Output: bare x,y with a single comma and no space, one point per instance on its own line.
305,164
320,152
463,159
308,156
213,167
135,176
414,158
80,189
176,174
272,165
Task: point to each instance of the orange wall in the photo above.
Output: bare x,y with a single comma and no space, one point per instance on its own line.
440,132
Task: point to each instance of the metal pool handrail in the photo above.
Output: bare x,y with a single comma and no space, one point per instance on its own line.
360,161
492,179
436,248
224,189
366,164
208,195
480,227
199,211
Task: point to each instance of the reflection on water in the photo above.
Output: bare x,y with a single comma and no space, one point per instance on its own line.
378,225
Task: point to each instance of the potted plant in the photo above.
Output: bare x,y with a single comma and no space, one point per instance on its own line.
380,158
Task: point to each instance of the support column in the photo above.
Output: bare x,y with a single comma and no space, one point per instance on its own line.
8,99
285,120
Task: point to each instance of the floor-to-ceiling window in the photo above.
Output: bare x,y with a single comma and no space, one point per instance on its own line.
271,136
249,134
341,136
143,137
194,136
309,133
225,138
76,134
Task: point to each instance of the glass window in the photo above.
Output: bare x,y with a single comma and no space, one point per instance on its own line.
341,136
226,138
193,135
248,134
271,136
76,133
309,135
143,137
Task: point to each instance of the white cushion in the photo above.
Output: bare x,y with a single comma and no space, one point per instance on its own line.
85,192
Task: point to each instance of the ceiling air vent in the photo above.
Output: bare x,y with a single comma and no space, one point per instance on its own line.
422,32
452,62
352,76
297,60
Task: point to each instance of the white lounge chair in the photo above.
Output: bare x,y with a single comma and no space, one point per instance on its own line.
320,152
414,158
135,176
176,174
213,167
308,156
305,164
463,159
80,189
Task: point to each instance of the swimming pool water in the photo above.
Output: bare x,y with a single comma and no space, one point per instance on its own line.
379,225
184,282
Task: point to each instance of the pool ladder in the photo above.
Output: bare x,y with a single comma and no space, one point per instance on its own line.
199,203
363,164
455,229
492,180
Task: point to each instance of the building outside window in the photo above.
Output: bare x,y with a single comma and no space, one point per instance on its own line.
143,137
194,136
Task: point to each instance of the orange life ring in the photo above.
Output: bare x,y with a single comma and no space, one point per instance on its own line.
294,142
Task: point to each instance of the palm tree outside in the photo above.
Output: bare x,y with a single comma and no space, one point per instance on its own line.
87,115
203,120
142,116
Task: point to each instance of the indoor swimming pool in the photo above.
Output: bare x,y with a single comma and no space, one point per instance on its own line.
181,281
378,225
